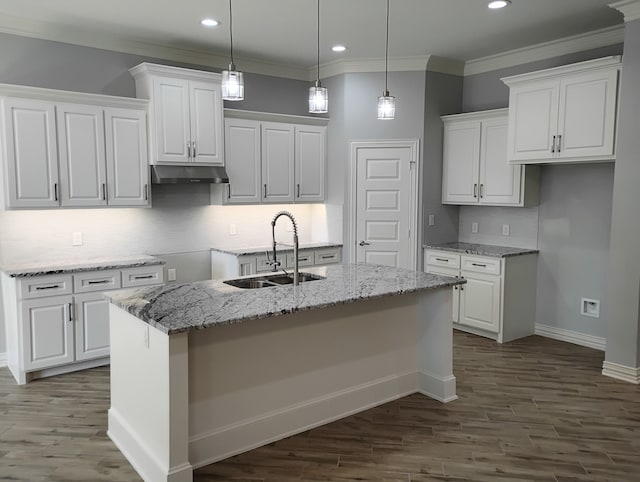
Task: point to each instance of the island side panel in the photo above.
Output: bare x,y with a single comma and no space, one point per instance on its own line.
148,418
263,380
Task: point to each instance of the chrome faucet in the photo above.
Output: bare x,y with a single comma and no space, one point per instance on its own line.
277,263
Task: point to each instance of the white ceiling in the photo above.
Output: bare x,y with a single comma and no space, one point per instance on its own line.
283,32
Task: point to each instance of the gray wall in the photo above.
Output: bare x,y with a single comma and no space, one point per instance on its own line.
443,96
623,334
577,273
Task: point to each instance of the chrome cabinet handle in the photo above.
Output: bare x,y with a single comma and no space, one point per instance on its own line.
553,144
442,259
298,189
265,190
101,282
70,312
104,191
194,149
55,191
328,256
481,191
229,191
479,265
475,190
148,276
50,287
363,243
146,192
189,149
559,141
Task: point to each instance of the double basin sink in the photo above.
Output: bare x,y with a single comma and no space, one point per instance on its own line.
272,280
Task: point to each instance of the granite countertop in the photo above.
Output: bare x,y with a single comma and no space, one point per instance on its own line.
23,270
481,249
177,308
246,250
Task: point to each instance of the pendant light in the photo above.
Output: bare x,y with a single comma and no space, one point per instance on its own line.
386,102
232,80
318,95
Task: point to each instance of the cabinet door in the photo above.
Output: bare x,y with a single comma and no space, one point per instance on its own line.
91,326
499,181
454,273
127,164
31,154
533,120
480,301
172,131
205,108
587,114
310,163
83,176
242,154
277,162
461,157
47,332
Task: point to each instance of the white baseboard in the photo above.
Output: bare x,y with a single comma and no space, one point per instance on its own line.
215,445
140,457
575,337
3,360
621,372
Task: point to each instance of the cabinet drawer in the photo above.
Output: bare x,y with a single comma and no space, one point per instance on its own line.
327,256
142,276
96,281
41,286
481,265
262,263
443,259
305,258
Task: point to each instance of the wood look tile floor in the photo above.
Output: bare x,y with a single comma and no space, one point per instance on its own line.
531,410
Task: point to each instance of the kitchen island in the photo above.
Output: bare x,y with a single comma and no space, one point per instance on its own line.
204,371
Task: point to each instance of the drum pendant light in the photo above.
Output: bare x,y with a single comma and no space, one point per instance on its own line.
232,80
386,102
318,95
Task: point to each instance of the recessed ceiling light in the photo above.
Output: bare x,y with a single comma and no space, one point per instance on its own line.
497,4
338,48
209,22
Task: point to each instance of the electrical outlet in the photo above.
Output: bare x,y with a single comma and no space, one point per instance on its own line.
474,227
76,238
505,230
233,229
589,307
172,274
432,219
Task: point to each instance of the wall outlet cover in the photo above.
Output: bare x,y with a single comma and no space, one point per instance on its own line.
172,274
474,227
505,230
590,307
76,238
233,229
432,219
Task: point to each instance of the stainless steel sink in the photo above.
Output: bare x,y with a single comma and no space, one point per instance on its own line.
268,281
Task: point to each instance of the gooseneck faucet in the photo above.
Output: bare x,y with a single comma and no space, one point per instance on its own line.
277,263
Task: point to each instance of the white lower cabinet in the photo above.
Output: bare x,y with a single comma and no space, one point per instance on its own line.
498,299
60,323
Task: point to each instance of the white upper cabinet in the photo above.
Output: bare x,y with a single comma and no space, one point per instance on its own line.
564,114
83,175
310,163
59,152
475,167
277,162
30,154
186,111
243,161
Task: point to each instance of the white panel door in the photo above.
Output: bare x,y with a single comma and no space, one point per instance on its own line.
31,153
47,330
242,155
277,162
310,163
91,326
205,108
127,164
383,211
499,180
587,115
461,152
83,174
533,120
480,301
172,120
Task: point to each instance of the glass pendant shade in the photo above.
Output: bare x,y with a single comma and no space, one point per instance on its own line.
232,84
318,99
386,106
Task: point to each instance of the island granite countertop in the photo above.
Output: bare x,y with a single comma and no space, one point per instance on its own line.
481,249
178,308
248,250
24,270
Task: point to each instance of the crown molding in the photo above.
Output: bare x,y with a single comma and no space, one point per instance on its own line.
568,45
629,8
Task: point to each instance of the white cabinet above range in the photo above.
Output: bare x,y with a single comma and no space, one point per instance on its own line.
186,114
564,114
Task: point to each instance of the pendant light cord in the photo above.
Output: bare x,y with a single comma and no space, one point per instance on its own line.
386,53
318,72
231,29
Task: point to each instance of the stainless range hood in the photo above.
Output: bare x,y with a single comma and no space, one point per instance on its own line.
188,175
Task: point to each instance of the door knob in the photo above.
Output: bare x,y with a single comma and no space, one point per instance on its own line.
363,243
